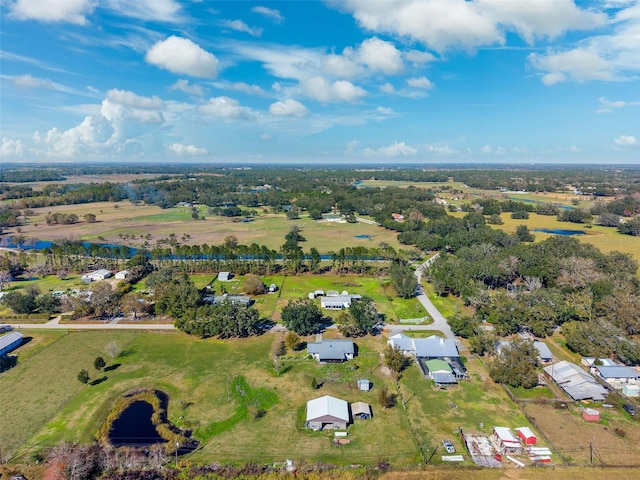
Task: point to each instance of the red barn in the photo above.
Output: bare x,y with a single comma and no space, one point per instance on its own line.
527,436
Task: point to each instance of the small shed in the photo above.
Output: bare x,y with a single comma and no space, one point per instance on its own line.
527,436
631,390
224,276
273,288
364,385
361,410
591,415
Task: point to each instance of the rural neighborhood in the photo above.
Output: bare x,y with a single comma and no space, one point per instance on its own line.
452,344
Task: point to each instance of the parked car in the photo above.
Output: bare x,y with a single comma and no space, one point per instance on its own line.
630,409
448,446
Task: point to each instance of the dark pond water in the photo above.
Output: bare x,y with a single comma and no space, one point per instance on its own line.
134,427
559,231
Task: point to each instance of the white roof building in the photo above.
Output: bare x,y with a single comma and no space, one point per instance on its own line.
327,412
96,276
430,347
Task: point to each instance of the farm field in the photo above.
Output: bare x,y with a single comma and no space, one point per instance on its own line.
124,218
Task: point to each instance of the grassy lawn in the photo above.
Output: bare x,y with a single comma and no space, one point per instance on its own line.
200,377
537,392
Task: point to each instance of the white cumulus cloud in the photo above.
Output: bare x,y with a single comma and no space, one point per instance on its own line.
420,82
187,150
182,56
319,88
444,25
396,149
626,141
226,108
11,148
186,87
288,108
54,11
380,56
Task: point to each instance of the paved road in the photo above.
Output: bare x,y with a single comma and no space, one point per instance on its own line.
439,322
93,326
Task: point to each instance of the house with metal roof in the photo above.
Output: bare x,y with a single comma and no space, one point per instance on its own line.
617,375
430,347
336,302
332,351
576,383
218,299
224,276
327,412
544,353
10,342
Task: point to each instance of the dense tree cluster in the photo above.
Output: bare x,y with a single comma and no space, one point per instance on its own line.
540,286
516,364
362,318
226,319
302,316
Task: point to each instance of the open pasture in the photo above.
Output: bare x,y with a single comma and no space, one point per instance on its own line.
46,403
113,220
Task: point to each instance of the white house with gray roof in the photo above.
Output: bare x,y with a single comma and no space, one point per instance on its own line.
430,347
332,351
617,375
327,412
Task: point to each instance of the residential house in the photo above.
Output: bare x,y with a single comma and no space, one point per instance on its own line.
327,412
332,351
430,347
398,217
237,299
617,375
544,354
591,361
576,383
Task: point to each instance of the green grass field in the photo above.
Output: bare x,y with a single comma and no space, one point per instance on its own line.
44,403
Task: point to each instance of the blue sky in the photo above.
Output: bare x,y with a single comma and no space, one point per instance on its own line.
344,81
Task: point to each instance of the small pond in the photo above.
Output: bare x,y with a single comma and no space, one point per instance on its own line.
134,427
364,235
559,231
